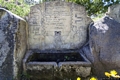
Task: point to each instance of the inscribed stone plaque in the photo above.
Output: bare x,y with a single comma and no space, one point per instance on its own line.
57,25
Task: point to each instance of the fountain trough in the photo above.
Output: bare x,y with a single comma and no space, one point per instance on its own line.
56,64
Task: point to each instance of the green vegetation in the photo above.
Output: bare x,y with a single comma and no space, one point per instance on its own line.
19,8
93,7
96,18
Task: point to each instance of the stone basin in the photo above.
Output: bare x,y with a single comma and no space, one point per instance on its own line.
53,65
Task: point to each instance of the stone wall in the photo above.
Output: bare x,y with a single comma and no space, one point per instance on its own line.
57,25
12,44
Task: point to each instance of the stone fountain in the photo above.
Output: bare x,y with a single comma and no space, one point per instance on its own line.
56,44
57,31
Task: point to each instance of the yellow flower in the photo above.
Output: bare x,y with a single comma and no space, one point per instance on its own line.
78,78
116,76
113,72
107,74
93,78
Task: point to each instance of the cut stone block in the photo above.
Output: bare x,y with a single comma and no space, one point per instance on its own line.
57,25
56,64
12,44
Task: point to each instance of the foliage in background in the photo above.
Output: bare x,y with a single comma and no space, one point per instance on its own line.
97,17
93,7
33,2
19,7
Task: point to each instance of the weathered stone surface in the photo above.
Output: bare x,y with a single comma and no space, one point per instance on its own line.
56,32
12,44
57,25
114,12
4,48
79,68
55,69
105,45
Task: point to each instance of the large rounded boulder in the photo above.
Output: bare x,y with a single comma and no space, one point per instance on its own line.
104,45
